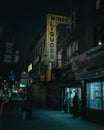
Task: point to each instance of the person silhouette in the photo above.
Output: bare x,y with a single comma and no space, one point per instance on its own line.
66,102
75,105
26,108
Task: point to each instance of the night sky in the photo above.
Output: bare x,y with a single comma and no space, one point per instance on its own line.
23,20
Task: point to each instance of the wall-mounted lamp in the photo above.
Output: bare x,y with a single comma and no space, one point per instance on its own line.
99,42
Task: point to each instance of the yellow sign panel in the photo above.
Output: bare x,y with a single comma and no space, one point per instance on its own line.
48,75
52,22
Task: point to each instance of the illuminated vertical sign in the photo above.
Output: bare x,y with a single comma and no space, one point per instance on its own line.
52,22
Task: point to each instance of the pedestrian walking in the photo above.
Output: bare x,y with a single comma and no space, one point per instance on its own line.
66,103
75,105
26,109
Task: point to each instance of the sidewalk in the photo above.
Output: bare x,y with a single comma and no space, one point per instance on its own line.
47,120
67,119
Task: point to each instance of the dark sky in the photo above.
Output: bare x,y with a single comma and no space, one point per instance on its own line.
24,19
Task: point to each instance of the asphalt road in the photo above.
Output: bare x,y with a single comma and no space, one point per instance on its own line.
46,120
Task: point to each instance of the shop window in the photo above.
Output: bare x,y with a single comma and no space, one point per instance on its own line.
94,95
103,94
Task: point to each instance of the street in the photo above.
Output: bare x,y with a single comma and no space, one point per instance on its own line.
46,120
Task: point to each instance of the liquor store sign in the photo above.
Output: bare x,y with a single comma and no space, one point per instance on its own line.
52,22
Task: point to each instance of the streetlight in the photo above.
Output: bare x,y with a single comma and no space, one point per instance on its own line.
99,43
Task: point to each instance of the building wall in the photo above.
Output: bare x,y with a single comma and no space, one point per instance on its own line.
85,30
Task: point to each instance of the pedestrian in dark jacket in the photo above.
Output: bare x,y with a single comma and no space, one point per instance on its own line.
26,109
75,105
66,103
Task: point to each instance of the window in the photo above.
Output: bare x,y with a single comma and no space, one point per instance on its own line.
68,51
94,95
72,48
103,94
